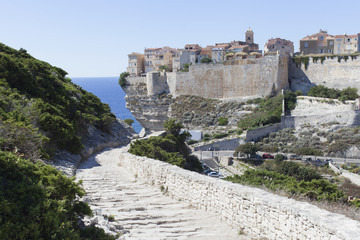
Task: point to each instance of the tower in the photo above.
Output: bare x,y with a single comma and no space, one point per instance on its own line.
249,36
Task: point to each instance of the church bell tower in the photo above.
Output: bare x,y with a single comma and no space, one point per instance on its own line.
249,36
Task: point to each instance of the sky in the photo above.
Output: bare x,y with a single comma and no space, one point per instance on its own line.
92,38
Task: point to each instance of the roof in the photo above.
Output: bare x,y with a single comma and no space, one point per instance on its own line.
346,36
205,52
238,46
135,53
317,35
221,45
281,41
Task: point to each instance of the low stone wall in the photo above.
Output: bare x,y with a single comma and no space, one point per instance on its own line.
251,210
258,133
227,144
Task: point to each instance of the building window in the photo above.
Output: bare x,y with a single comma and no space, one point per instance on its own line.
329,51
331,43
306,44
321,38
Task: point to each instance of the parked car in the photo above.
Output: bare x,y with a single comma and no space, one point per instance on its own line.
309,159
207,171
257,156
215,175
295,157
267,156
329,160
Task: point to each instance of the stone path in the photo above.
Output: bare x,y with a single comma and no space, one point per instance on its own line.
141,210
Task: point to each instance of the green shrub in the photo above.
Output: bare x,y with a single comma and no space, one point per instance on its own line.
223,121
129,121
171,148
316,189
122,79
39,202
220,135
206,60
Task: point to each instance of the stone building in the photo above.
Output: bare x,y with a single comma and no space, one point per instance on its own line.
279,44
318,43
218,52
156,57
135,64
188,55
345,44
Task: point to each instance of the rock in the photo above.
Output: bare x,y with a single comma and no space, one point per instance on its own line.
142,133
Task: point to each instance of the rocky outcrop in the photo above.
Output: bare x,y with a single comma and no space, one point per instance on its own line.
94,141
195,112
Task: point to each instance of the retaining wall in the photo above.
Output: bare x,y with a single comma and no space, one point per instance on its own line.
258,133
254,211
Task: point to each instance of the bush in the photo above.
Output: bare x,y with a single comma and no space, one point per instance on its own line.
316,189
122,79
129,121
223,121
206,60
220,135
39,202
247,148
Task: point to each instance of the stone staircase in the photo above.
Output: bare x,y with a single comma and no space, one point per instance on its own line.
142,211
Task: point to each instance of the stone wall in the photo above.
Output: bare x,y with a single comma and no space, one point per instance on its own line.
252,77
258,133
251,210
330,73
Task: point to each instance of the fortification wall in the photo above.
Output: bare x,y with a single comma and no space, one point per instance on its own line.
254,211
330,73
257,77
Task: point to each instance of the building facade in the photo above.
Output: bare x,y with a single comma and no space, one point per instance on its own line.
135,64
156,57
279,44
345,44
319,43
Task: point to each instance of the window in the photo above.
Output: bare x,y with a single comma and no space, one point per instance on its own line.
321,38
321,50
306,44
329,51
331,43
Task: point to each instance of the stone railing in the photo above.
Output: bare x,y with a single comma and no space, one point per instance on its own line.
251,210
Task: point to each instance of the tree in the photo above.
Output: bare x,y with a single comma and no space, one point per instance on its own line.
247,148
309,151
122,79
186,67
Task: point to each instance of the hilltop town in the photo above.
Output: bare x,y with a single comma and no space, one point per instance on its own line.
174,60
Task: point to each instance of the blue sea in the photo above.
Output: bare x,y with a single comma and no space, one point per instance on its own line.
110,92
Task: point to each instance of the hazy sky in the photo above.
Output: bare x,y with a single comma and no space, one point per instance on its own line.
89,38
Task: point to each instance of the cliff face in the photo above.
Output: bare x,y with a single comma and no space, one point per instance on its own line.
194,111
150,111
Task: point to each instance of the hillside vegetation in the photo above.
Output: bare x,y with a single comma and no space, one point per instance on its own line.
42,111
170,148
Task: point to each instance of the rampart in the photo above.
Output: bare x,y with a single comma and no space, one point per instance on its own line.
251,210
251,77
330,73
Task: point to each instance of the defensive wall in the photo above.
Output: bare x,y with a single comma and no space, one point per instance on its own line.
330,73
251,77
250,210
